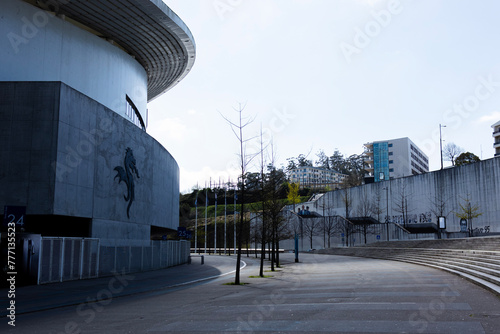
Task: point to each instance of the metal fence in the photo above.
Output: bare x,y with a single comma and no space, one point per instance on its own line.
64,259
161,254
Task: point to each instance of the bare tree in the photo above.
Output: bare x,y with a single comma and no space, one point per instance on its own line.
377,203
438,206
451,151
311,228
402,202
244,160
347,200
275,184
365,208
330,228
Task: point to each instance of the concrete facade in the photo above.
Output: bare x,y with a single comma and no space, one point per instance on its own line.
61,149
74,86
496,138
424,195
61,51
80,177
389,159
309,176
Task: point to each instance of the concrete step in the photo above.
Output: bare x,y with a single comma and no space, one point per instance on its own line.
481,256
478,254
491,261
479,266
492,275
479,243
493,287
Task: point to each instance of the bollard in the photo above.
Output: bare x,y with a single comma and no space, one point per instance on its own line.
202,259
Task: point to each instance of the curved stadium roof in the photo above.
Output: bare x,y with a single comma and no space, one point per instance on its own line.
147,29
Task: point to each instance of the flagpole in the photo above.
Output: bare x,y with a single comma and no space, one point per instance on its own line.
215,231
196,223
225,218
234,219
206,211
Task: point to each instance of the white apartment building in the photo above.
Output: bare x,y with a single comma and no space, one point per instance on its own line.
313,177
389,159
496,138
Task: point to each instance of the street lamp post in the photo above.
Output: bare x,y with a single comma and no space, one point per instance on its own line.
441,144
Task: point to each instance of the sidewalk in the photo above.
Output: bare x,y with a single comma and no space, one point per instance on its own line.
49,296
320,294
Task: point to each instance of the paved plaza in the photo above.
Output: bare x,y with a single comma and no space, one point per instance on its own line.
322,293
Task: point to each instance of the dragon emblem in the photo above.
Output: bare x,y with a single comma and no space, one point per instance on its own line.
127,175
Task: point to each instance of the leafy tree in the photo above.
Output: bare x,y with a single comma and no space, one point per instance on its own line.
468,210
292,164
323,160
303,162
293,194
466,158
337,162
451,151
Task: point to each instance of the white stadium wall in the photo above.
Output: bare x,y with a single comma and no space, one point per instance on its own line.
93,191
62,153
479,182
39,46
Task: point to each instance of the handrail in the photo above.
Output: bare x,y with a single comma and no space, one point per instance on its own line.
401,227
347,220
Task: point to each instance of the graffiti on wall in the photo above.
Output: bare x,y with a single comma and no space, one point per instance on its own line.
425,217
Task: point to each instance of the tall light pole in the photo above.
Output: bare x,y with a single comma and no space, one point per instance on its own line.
441,144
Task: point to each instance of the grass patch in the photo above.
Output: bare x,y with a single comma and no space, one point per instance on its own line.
271,271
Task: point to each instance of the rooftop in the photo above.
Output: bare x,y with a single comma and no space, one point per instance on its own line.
147,29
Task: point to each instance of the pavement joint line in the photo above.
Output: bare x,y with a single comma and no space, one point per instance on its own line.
205,278
53,307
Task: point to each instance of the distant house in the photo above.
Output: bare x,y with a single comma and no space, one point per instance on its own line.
389,159
316,177
496,138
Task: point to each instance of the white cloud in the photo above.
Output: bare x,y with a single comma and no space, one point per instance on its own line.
371,3
492,117
169,128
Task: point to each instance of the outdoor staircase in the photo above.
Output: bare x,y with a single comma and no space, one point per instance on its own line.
476,259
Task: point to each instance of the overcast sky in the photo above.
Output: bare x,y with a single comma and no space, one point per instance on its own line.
331,74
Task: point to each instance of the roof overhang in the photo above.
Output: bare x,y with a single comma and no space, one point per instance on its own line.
147,29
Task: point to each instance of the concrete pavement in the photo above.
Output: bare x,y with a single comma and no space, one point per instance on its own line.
322,293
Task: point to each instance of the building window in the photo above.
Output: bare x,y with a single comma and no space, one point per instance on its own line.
133,114
391,161
391,153
390,145
391,170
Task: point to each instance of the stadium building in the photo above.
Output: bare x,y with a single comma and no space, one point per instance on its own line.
80,176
